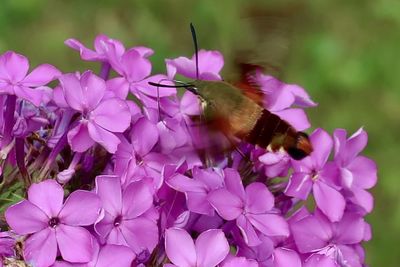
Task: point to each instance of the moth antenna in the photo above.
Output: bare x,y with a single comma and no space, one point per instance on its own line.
196,49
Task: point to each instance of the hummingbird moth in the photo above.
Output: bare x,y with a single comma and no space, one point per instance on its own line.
236,110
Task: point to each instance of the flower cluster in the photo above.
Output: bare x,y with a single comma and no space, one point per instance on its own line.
105,170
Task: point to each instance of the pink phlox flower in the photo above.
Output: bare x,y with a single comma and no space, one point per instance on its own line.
173,134
252,208
196,189
274,164
357,173
134,69
53,226
138,157
334,241
181,109
104,48
280,97
15,80
210,64
129,217
315,174
209,249
100,117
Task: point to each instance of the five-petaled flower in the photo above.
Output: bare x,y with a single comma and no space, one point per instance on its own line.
54,227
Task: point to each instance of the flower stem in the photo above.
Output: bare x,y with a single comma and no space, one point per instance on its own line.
8,120
52,157
105,70
20,158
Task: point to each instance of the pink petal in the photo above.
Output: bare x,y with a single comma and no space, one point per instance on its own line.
355,144
103,43
105,138
92,88
72,91
179,247
299,185
295,117
339,138
108,188
228,205
41,248
119,86
33,96
79,138
197,202
112,114
322,144
105,226
364,172
181,65
270,158
144,136
302,99
115,256
330,201
137,198
13,67
155,91
182,183
58,97
280,98
284,257
248,232
26,218
80,208
135,66
363,198
116,237
190,104
210,61
140,233
350,230
48,196
269,224
144,51
86,54
311,233
258,198
351,256
233,183
211,247
211,178
76,244
41,75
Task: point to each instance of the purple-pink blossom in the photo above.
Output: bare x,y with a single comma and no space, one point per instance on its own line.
101,116
15,80
128,218
252,208
55,227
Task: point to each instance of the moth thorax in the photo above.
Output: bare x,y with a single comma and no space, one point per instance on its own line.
297,145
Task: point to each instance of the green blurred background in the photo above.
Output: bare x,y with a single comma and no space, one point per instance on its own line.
344,52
